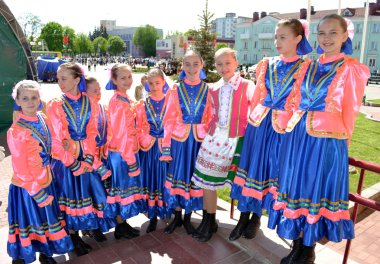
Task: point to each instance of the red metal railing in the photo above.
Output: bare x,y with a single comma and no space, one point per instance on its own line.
357,198
354,197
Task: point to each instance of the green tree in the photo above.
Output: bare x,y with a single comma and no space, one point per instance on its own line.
173,34
98,32
51,33
220,45
30,24
83,44
204,40
115,45
145,39
100,45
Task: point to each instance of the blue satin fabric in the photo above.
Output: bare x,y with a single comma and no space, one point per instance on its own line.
303,46
180,171
76,129
124,186
314,175
258,166
196,105
346,48
279,91
81,191
312,97
101,138
153,175
155,120
24,213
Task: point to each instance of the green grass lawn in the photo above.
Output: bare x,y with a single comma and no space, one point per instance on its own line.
377,101
365,145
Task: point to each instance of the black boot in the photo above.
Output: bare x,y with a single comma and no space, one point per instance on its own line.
131,230
253,226
210,228
307,256
177,222
46,260
152,225
241,225
79,246
95,234
18,261
297,248
122,230
187,224
200,229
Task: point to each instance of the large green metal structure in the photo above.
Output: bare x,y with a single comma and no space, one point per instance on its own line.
16,62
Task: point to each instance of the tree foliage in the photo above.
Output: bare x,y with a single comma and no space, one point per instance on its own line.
145,39
98,32
30,24
220,45
52,34
204,40
83,44
100,45
115,45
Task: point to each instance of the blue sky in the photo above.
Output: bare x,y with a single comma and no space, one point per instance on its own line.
169,15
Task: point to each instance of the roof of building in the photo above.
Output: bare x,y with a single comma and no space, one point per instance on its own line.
317,14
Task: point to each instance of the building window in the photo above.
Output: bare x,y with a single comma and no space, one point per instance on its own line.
255,57
376,28
255,45
373,45
357,45
315,44
359,28
315,29
245,45
372,62
266,45
245,57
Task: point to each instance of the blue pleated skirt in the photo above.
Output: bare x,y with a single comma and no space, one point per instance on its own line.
313,190
34,229
180,191
153,175
82,199
258,168
125,195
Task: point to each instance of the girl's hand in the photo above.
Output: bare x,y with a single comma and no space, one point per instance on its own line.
66,144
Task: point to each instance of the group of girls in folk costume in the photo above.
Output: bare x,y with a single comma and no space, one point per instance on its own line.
300,175
85,168
219,154
186,122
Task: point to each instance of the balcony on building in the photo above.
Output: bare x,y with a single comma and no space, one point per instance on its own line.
266,36
244,36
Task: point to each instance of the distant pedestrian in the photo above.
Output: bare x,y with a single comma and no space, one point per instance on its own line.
140,89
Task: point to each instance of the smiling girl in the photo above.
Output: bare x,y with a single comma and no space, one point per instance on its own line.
186,123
